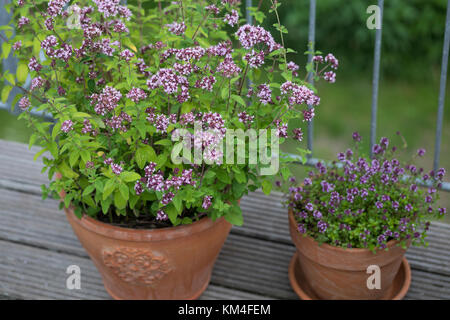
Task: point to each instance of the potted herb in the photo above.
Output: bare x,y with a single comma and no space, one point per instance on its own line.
129,88
359,213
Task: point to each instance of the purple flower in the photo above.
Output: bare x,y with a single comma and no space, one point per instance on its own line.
22,22
167,198
379,204
317,214
381,238
17,45
138,188
232,18
67,126
24,103
322,226
249,36
136,95
356,137
301,228
264,93
161,215
442,211
117,169
330,76
309,206
331,59
298,134
206,202
421,152
395,205
176,28
408,207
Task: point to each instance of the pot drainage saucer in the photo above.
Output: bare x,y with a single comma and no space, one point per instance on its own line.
398,289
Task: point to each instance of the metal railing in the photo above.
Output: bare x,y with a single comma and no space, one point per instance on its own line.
11,64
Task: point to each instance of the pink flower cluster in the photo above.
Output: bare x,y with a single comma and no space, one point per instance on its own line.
22,22
67,126
228,68
232,18
299,94
36,83
249,36
245,118
264,93
55,7
255,59
154,181
207,202
177,28
33,65
126,55
24,103
136,95
106,101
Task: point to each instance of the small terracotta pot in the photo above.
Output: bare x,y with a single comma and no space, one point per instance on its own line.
335,273
168,263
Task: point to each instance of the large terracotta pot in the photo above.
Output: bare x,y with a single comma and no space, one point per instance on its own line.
168,263
335,273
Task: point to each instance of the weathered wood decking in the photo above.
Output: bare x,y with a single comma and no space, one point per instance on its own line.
37,245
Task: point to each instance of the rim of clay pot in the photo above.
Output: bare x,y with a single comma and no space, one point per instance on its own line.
130,234
302,294
327,246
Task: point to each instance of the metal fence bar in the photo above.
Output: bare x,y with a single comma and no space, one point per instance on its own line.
311,41
442,86
376,79
248,17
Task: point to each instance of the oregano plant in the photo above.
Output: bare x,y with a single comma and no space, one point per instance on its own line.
119,83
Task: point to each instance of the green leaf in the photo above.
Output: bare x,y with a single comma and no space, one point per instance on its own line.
129,176
238,99
124,191
66,171
73,158
266,187
5,93
81,115
53,148
88,190
164,142
10,78
144,154
234,216
37,155
6,48
32,141
22,72
105,206
85,155
178,203
223,176
119,201
171,212
110,186
286,173
56,130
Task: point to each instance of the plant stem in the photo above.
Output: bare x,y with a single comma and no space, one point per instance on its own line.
281,33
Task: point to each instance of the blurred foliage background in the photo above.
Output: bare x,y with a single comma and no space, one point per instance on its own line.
413,33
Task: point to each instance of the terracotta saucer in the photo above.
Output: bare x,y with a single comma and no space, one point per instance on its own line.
302,289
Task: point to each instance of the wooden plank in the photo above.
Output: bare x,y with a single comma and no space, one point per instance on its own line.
245,264
33,273
28,220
